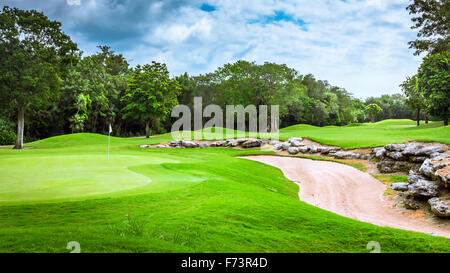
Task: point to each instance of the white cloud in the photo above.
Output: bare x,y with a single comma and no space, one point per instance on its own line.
360,45
73,2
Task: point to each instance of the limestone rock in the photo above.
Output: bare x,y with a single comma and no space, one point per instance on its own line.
417,159
408,201
345,155
313,149
392,166
296,143
285,145
252,143
424,188
411,149
427,151
189,144
379,152
175,143
293,150
292,139
401,186
427,168
395,155
303,149
414,177
395,147
278,146
440,207
203,145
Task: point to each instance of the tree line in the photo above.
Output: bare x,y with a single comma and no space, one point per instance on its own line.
47,88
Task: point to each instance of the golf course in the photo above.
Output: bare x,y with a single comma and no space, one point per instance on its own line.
223,136
64,188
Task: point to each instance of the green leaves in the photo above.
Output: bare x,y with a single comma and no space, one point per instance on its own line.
434,84
151,94
433,22
372,110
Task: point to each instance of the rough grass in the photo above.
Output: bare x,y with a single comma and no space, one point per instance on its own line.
197,200
388,179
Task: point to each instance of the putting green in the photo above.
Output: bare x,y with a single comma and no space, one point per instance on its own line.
40,178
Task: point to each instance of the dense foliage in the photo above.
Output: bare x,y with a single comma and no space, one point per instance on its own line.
434,84
48,87
433,21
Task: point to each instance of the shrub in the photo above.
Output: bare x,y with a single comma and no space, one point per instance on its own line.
7,137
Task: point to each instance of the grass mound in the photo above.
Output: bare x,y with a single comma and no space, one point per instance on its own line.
371,134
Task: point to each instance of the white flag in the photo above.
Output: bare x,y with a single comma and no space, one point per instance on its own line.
110,129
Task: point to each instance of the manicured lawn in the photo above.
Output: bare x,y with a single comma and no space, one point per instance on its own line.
349,137
371,134
168,200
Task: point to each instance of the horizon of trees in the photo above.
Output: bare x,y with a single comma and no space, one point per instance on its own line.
48,88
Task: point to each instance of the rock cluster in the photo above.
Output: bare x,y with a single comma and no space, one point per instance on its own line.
295,145
244,143
403,157
428,183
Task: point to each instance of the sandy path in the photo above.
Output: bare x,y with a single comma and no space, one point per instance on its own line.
349,192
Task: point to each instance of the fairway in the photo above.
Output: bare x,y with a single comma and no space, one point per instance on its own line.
348,137
371,134
172,200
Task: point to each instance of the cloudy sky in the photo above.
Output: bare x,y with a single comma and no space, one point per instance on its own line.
360,45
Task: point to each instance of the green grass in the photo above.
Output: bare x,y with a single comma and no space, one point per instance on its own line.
371,134
168,200
388,179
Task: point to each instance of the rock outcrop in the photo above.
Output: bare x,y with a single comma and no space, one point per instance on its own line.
440,207
400,186
404,157
293,150
426,180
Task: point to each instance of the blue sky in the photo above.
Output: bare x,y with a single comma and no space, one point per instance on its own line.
360,45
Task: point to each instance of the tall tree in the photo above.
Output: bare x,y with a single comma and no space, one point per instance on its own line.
415,99
433,22
372,110
434,84
150,95
106,72
33,53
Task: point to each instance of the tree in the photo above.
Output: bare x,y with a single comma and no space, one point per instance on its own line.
415,99
372,110
33,53
434,84
150,95
106,72
434,24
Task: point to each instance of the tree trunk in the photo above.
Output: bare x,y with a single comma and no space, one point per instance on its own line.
445,121
426,119
20,127
156,122
418,116
147,128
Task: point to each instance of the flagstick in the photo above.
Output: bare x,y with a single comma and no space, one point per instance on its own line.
109,136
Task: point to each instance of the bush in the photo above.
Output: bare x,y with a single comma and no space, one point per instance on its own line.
7,137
